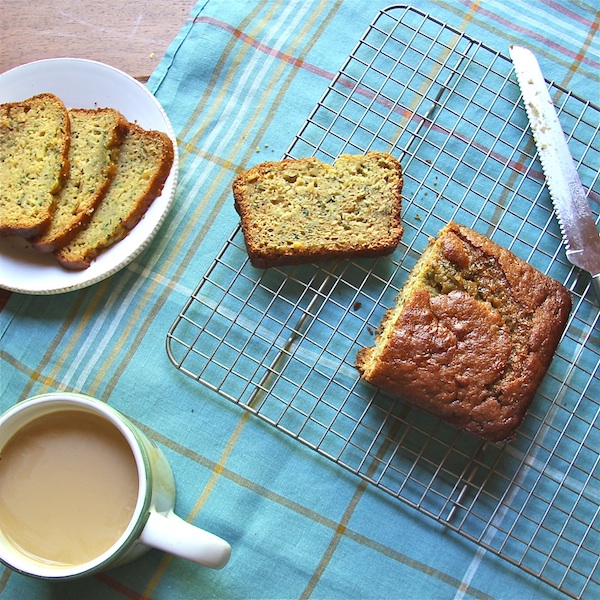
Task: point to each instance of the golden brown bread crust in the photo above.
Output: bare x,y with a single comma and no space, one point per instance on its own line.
303,211
472,338
158,179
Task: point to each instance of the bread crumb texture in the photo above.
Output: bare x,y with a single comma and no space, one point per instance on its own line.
75,182
34,146
471,335
144,162
298,211
96,137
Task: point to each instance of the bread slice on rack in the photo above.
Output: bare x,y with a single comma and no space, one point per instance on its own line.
144,162
471,335
301,211
34,146
96,136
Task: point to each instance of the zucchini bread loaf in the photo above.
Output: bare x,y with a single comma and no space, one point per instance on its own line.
299,211
471,335
34,146
144,163
96,136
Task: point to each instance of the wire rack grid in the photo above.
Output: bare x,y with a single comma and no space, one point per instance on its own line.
282,343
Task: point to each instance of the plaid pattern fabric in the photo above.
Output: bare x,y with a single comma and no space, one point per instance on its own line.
237,83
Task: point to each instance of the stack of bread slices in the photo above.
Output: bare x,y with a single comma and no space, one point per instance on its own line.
76,181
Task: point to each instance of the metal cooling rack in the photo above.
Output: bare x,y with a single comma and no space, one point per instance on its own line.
282,343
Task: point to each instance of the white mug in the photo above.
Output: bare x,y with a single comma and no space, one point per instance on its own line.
153,523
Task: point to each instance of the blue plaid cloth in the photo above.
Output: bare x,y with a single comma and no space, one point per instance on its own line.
238,82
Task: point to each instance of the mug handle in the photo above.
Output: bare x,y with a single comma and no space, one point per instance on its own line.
170,533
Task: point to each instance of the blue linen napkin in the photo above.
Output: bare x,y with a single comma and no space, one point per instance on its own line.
237,84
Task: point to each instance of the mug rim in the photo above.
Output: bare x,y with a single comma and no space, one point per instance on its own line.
57,401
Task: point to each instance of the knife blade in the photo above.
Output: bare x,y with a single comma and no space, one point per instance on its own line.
575,218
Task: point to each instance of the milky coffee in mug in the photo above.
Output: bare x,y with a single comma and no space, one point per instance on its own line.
83,489
68,487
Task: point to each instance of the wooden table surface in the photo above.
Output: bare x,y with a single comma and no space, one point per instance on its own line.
131,36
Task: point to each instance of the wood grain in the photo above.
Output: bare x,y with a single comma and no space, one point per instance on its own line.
131,36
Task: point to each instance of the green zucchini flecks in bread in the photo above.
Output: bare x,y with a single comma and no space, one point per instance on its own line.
300,211
144,163
96,136
34,146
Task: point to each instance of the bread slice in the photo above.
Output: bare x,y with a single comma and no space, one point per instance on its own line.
299,211
96,136
34,146
144,163
471,336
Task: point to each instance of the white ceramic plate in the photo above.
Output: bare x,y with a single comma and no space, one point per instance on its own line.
83,84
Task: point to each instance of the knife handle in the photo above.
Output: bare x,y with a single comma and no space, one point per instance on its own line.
596,286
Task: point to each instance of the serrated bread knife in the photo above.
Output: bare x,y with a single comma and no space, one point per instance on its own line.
575,217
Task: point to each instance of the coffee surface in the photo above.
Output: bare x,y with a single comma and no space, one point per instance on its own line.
68,487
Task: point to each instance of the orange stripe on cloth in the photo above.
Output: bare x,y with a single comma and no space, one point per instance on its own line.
582,53
119,587
237,33
526,32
